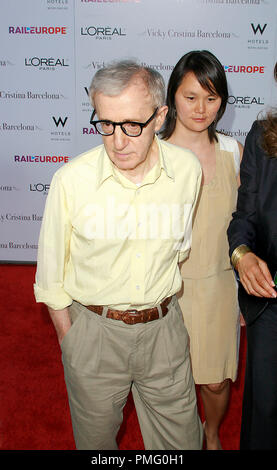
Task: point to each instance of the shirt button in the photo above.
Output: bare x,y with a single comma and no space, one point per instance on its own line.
138,255
138,287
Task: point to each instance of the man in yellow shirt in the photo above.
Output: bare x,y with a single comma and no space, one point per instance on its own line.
117,222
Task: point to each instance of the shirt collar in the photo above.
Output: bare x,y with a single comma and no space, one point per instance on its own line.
164,160
106,169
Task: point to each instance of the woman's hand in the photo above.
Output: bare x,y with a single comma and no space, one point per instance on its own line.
255,276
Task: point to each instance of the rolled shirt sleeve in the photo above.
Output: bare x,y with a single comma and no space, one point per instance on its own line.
186,245
54,249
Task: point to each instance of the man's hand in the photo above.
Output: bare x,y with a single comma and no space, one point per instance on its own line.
255,276
61,321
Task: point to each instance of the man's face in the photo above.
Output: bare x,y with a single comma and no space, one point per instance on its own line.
129,154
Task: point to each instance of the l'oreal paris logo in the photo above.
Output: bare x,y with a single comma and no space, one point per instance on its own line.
245,100
39,187
44,62
100,32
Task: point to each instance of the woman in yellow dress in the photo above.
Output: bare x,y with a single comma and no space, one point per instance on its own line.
196,99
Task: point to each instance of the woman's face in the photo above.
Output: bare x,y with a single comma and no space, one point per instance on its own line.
196,107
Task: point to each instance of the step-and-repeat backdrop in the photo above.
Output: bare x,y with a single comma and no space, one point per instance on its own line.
50,49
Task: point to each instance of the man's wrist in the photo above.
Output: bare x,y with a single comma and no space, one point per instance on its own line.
238,253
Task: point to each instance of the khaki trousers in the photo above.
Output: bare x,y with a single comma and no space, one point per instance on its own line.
103,359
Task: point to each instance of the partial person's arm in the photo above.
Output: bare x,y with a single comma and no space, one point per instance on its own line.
255,276
53,254
253,272
61,321
241,154
184,252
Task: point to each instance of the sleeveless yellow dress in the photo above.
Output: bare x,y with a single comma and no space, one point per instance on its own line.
208,298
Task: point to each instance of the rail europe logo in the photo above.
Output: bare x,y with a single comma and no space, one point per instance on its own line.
244,68
110,1
38,30
41,158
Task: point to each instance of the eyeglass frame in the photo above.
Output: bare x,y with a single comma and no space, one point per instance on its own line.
142,125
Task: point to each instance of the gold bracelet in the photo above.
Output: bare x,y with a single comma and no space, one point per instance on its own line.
238,253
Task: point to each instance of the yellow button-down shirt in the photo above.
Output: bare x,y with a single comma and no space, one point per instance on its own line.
107,241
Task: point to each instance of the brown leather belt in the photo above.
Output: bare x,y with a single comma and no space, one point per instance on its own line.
132,316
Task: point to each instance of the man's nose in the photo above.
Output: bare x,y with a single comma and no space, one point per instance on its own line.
120,139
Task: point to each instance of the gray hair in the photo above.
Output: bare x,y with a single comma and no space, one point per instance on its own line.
112,79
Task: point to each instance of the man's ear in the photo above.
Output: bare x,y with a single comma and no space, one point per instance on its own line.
160,117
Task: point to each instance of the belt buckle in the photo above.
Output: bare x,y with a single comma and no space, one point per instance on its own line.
129,315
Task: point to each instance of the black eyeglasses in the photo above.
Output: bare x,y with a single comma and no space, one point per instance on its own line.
130,128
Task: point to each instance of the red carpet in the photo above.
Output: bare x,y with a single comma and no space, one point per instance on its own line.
34,413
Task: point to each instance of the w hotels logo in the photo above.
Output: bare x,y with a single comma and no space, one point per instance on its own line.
59,121
258,28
